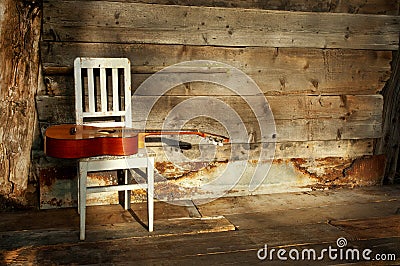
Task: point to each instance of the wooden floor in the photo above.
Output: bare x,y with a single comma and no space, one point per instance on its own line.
225,231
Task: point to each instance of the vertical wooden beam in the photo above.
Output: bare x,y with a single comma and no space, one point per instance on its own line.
389,144
20,27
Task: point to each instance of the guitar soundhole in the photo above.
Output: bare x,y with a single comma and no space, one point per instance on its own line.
72,131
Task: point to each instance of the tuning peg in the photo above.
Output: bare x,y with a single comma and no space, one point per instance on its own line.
214,142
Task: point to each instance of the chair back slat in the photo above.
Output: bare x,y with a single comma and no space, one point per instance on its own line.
128,99
78,95
103,90
115,90
91,95
97,80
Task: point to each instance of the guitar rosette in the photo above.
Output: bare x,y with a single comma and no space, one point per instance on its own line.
245,161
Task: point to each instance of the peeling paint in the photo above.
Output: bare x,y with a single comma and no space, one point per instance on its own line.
58,184
339,172
368,170
184,170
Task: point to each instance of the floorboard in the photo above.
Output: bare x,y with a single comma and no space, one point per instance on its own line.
226,231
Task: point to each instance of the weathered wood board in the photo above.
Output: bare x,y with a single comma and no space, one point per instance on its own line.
20,24
275,70
104,22
372,227
346,107
388,7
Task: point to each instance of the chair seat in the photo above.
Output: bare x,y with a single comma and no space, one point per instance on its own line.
103,163
114,157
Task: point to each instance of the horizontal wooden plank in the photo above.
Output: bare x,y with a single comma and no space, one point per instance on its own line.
56,110
297,118
149,58
164,24
387,7
368,83
275,71
270,84
288,130
321,149
370,227
302,130
58,235
345,107
363,203
284,150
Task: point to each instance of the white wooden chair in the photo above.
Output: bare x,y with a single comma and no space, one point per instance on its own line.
97,80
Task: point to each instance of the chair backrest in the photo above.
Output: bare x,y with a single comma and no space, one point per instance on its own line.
103,91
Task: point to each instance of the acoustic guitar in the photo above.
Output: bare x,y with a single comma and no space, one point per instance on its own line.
71,141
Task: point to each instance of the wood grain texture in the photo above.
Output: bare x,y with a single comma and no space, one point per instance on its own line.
371,228
19,69
164,24
387,7
276,71
347,107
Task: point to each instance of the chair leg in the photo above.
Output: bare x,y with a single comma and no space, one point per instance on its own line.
83,167
78,182
150,192
127,193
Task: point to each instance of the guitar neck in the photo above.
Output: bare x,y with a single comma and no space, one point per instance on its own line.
154,132
214,137
184,132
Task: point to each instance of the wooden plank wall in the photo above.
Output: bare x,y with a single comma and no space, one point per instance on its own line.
320,65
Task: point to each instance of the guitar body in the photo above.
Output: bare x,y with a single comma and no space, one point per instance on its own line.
78,141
